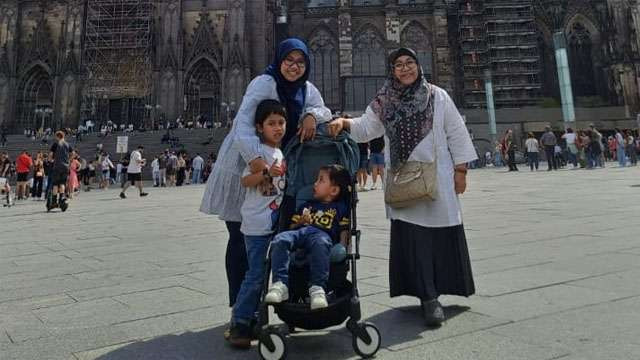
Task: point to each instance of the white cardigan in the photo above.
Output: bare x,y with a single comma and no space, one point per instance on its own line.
454,146
224,194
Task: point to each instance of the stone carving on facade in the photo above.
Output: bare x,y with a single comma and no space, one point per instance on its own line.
204,40
39,48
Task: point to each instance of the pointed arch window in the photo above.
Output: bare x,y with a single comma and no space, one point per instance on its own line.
415,37
581,60
369,69
325,67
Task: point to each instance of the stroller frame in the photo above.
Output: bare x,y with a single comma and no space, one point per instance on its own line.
366,337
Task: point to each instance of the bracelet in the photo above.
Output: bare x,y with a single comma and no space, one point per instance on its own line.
463,171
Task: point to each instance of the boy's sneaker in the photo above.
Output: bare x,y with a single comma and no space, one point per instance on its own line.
143,194
278,293
318,298
240,336
374,186
123,196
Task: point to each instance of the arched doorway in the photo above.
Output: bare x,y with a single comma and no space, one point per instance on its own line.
202,92
35,100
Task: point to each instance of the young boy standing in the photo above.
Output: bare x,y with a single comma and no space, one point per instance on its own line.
262,199
318,224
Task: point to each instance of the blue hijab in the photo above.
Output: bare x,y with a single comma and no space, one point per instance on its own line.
291,94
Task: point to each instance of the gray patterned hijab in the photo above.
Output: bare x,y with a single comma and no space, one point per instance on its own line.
405,111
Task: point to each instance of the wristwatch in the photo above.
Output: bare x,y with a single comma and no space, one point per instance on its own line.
265,173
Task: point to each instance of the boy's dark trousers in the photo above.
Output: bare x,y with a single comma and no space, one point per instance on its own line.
235,259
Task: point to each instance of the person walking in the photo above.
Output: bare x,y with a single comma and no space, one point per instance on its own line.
172,168
631,148
197,164
548,142
363,166
284,80
155,171
134,172
620,145
509,150
106,165
597,138
570,138
612,148
38,176
428,250
182,169
162,166
60,153
376,160
532,151
73,183
23,168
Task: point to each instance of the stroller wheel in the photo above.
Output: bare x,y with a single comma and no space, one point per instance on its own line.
367,349
278,347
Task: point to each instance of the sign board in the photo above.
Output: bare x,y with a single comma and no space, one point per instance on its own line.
122,144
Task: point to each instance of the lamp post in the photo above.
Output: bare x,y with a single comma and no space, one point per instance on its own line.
43,112
153,110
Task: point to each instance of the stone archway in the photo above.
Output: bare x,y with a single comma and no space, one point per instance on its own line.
202,91
35,92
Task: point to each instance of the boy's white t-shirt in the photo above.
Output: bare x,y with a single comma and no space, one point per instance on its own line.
262,201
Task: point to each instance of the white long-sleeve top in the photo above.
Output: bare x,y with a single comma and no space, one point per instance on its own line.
454,146
224,194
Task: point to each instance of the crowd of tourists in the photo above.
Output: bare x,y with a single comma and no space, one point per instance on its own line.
31,173
587,149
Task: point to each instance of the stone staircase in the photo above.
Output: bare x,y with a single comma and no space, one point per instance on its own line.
192,141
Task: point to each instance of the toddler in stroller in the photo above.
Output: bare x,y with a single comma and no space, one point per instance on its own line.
317,226
320,204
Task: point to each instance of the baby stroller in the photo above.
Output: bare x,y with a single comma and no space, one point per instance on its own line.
303,161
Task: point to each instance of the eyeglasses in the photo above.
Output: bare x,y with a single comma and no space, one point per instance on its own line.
290,62
408,65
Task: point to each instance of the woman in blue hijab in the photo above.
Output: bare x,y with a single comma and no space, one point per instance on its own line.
284,80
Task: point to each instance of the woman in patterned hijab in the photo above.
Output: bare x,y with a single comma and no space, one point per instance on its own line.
428,251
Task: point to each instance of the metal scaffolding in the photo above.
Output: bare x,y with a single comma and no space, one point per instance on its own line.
499,36
118,53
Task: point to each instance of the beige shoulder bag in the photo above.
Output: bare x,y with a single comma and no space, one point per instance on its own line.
414,181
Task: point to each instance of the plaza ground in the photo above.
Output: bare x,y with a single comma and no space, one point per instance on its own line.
556,259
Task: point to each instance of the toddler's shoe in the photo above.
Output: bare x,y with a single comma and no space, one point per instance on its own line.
278,293
318,298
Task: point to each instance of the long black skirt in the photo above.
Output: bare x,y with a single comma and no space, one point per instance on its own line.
429,262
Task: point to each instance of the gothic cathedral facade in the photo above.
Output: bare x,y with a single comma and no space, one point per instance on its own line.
60,59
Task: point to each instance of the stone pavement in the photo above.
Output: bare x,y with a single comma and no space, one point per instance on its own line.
556,258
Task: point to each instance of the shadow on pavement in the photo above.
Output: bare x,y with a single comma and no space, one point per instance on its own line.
203,345
405,324
210,345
